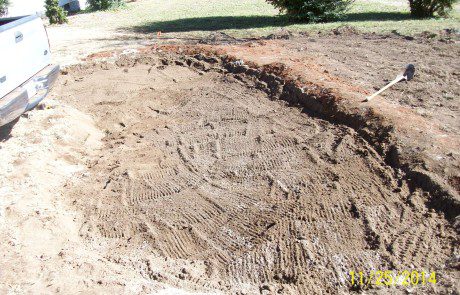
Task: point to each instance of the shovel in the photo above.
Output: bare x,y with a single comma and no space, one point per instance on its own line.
407,75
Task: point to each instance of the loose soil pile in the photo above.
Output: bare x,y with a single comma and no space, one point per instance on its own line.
236,192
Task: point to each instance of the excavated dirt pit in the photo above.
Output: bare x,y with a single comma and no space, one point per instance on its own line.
235,191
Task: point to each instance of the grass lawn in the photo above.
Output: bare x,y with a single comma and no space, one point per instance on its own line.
243,18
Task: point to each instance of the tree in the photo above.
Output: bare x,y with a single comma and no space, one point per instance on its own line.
105,4
55,13
428,8
4,6
313,10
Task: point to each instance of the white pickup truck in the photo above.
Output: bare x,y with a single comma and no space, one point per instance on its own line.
26,72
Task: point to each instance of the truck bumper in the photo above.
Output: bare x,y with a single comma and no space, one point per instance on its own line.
28,95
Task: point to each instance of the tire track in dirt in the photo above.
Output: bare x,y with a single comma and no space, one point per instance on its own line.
203,169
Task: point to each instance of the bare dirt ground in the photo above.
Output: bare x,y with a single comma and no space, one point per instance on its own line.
167,173
242,193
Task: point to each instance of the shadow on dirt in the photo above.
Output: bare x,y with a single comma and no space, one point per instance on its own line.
217,23
5,130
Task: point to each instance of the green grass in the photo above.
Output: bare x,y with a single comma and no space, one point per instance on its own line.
244,18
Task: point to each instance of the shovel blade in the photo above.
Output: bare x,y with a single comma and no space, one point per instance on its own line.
409,72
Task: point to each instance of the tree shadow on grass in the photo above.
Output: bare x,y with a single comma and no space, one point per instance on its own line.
215,23
218,23
377,16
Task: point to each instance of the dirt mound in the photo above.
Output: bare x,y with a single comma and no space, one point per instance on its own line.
245,193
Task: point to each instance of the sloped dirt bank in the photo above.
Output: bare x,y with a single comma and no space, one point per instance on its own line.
372,127
217,178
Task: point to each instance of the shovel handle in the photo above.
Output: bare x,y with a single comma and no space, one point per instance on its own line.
386,87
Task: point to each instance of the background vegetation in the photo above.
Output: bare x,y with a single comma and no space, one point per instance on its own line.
4,7
428,8
312,10
252,18
55,13
105,4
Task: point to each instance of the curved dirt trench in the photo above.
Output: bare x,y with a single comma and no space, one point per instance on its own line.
219,188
